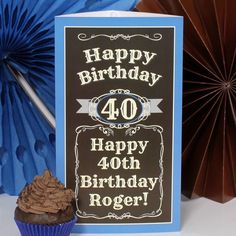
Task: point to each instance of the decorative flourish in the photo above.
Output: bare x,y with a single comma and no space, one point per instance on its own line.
119,91
107,131
133,130
112,37
126,215
209,101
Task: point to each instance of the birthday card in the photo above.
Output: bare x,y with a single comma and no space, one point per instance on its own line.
118,119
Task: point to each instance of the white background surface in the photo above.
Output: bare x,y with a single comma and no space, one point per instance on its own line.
200,217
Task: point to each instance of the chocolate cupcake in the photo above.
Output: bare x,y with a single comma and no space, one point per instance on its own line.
45,208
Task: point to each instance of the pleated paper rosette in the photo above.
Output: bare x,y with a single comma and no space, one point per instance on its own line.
209,102
27,135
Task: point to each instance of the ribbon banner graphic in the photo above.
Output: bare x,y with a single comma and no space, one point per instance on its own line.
133,108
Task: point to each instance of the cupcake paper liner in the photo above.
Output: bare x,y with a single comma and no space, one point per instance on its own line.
45,230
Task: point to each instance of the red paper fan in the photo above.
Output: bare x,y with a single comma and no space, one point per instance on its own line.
209,102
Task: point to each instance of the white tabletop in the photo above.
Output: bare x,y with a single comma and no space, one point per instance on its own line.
200,217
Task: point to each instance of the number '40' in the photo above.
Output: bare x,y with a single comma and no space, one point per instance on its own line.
128,109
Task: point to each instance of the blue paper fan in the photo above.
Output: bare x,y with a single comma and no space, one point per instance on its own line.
27,137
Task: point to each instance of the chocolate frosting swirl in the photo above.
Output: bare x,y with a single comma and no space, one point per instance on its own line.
45,195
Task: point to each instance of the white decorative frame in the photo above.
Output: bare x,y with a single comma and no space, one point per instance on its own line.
108,131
